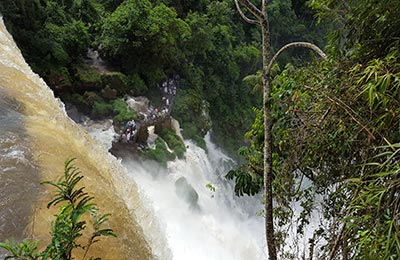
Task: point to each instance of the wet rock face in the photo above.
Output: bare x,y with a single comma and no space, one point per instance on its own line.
142,134
186,192
139,104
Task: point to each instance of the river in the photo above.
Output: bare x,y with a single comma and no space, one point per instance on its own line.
150,219
36,137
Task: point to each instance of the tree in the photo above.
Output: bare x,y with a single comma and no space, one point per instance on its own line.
261,19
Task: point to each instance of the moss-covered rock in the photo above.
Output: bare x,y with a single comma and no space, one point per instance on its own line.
186,192
160,153
117,81
174,142
88,78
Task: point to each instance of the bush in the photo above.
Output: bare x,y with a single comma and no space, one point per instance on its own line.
117,81
68,226
101,109
122,112
137,85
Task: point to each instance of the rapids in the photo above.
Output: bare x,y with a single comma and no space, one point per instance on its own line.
223,226
36,137
150,219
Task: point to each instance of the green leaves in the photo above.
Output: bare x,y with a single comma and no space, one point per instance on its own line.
68,225
372,221
246,182
26,250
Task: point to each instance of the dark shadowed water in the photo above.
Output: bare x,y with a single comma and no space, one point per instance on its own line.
19,181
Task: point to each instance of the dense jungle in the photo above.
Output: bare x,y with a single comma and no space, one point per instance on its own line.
334,122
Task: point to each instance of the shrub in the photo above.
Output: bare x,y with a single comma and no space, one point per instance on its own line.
136,85
117,81
122,112
102,109
68,226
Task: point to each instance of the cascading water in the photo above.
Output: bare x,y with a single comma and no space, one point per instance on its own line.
216,225
36,137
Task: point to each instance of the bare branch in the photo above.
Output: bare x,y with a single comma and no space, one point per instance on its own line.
253,9
264,6
295,44
248,20
323,117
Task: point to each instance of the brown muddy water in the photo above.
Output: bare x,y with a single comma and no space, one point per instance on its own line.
36,137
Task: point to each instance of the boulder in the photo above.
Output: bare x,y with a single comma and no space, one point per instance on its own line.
186,192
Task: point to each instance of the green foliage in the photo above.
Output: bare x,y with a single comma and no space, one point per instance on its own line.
245,183
372,219
137,86
210,187
123,114
174,142
101,109
287,26
378,80
26,250
160,153
248,177
140,27
88,76
190,107
69,225
117,81
190,132
366,29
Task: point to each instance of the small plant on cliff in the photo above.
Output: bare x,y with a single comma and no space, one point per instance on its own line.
69,225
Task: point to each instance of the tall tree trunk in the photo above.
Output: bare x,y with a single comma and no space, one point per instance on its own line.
269,224
261,19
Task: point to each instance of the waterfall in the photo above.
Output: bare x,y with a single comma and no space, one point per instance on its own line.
219,226
36,137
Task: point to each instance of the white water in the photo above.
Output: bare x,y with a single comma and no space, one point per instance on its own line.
226,227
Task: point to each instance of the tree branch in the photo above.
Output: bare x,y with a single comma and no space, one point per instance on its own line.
295,44
264,6
248,20
253,9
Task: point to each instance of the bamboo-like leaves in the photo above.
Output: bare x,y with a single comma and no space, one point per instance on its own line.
373,213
